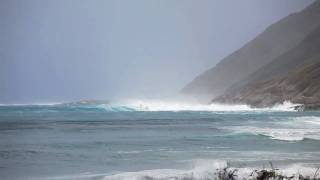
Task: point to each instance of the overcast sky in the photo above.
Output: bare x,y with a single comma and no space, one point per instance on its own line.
62,50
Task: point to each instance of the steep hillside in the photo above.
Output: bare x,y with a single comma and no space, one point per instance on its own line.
260,88
308,51
272,43
301,86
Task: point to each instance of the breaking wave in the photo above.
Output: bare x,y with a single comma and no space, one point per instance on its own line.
201,169
150,105
155,105
293,129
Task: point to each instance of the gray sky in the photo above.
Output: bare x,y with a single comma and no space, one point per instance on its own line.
62,50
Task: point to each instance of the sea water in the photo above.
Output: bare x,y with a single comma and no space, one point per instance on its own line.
153,140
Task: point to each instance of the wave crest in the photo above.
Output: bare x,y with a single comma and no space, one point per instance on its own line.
157,105
292,129
151,105
201,169
206,169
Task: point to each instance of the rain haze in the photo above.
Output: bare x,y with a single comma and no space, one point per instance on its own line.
159,89
60,50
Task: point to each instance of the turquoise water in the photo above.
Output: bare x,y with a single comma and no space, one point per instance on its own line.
79,141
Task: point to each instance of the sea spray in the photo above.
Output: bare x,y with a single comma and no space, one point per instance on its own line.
159,105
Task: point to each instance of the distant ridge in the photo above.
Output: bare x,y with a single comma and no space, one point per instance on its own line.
275,41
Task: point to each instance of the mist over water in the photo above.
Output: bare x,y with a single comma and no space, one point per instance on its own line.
58,51
160,105
91,90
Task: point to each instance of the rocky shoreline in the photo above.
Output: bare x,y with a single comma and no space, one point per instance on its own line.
299,87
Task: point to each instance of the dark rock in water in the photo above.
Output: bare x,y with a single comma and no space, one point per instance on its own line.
299,108
307,107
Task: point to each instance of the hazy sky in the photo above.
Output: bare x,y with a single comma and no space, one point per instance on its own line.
61,50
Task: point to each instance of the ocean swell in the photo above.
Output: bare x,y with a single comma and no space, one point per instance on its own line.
293,129
148,105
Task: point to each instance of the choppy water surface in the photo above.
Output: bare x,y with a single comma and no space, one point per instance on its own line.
126,142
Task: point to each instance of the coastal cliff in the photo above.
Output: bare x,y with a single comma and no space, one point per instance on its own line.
294,76
281,64
300,87
276,40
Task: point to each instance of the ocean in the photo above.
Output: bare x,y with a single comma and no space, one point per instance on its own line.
153,140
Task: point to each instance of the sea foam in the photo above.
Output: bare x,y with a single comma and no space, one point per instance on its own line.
199,169
209,169
292,129
159,105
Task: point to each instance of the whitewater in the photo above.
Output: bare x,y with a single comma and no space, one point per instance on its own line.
141,139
